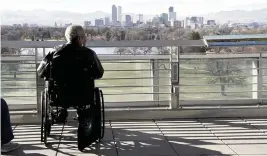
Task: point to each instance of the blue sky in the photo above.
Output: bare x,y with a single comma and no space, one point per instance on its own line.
182,7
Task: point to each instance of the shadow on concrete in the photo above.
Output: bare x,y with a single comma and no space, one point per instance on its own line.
136,138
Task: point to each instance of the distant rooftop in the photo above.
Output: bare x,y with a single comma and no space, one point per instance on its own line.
235,40
229,37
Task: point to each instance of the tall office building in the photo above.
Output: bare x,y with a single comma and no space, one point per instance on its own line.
187,21
211,22
201,20
141,18
99,22
172,16
119,13
164,18
107,21
171,9
114,15
128,20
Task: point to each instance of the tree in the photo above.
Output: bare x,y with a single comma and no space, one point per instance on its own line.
225,72
196,36
133,35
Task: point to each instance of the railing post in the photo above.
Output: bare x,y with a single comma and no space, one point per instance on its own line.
175,77
155,80
260,79
40,83
256,79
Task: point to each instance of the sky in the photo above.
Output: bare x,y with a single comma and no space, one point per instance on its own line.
151,7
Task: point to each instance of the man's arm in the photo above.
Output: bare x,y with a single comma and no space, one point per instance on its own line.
97,67
43,69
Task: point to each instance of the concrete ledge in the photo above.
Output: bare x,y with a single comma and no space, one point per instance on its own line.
158,114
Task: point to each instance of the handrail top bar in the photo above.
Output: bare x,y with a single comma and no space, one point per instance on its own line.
102,44
101,57
218,56
145,57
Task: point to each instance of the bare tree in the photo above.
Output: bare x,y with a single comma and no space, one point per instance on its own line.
226,73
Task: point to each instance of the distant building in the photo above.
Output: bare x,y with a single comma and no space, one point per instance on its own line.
164,18
187,21
25,25
141,18
114,15
211,22
34,25
156,21
107,21
178,24
55,24
99,22
193,25
119,13
17,25
201,20
194,19
194,22
87,23
172,15
128,21
69,24
171,9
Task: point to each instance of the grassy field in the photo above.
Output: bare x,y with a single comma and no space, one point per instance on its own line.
189,71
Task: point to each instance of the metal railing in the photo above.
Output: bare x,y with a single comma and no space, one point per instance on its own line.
212,80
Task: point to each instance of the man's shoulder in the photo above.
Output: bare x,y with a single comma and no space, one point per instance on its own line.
88,51
59,47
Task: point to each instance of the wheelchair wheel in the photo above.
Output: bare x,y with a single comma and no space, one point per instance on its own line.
100,115
42,116
46,120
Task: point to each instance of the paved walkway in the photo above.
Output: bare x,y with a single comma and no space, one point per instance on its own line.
196,137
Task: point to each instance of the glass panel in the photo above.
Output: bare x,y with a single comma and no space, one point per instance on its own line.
18,80
216,79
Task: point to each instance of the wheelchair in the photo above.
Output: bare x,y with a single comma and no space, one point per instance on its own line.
50,107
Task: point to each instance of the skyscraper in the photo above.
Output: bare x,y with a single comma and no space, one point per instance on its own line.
107,21
99,22
128,20
119,13
171,9
164,18
114,15
172,14
141,18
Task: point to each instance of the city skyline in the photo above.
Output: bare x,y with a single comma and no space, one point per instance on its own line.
182,7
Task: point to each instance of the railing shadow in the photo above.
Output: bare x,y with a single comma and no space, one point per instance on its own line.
139,138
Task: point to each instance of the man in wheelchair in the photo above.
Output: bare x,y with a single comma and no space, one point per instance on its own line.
71,70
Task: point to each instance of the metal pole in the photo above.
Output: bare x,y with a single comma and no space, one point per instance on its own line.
36,77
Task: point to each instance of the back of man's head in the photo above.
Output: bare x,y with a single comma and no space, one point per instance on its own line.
74,32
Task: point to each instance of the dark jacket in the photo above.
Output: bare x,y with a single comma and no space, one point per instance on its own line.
74,67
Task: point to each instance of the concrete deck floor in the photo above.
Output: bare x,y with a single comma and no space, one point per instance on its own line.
194,137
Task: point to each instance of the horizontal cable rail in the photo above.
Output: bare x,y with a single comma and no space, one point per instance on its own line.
136,86
110,86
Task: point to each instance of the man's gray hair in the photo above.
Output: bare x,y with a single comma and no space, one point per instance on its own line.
73,32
